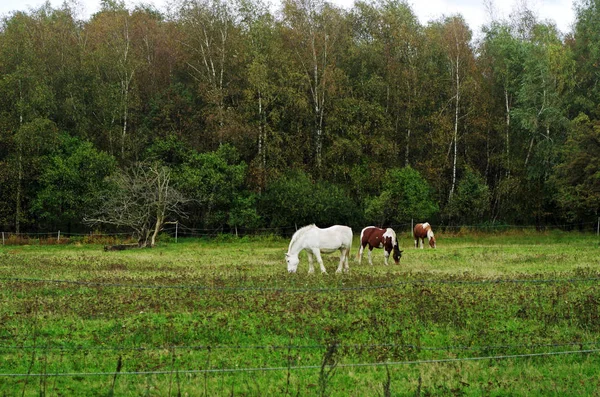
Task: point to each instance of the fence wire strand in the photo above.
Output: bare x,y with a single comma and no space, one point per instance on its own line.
302,290
304,367
298,347
186,231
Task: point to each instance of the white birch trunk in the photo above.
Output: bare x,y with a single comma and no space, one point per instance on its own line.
455,137
507,130
18,208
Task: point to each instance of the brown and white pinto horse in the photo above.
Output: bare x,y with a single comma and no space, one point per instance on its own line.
422,231
376,237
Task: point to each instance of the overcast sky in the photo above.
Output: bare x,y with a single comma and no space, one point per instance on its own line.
475,12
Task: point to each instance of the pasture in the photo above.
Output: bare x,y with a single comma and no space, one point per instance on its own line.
508,314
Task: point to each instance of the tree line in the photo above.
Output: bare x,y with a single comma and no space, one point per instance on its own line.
308,113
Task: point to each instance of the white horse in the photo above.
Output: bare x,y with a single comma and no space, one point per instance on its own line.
316,240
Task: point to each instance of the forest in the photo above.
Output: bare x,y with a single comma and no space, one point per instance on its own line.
251,116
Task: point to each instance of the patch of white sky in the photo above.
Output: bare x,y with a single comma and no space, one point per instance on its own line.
476,13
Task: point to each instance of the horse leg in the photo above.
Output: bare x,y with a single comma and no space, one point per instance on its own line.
386,255
416,242
317,254
343,253
346,260
311,268
370,251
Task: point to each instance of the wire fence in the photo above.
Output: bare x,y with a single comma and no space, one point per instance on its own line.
301,367
180,230
339,288
414,347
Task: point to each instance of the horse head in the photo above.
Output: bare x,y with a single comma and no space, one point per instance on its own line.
432,242
292,262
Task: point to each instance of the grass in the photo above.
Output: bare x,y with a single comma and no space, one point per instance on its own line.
228,305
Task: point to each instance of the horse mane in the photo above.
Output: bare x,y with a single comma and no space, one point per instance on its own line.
300,232
393,234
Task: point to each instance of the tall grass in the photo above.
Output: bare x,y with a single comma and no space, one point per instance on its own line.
222,317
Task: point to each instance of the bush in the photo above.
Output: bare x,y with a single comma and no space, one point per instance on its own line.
295,199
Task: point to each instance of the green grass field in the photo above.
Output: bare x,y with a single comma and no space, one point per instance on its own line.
508,314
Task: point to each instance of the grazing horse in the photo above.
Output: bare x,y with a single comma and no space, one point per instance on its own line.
315,240
422,231
376,237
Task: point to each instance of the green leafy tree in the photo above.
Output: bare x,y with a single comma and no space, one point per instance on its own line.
265,76
214,181
471,201
403,44
295,200
210,39
578,176
244,212
586,52
27,98
114,64
503,55
405,195
312,30
286,201
70,183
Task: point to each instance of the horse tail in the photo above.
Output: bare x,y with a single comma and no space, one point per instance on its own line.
360,243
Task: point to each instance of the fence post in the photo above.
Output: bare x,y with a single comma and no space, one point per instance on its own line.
176,230
412,227
58,239
597,229
2,238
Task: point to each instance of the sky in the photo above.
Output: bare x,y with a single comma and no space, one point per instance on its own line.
475,12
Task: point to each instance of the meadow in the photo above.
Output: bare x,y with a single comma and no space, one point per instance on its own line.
514,313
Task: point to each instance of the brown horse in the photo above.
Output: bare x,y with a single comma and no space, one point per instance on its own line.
376,237
422,231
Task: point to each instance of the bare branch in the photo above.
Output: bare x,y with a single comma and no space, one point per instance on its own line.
142,200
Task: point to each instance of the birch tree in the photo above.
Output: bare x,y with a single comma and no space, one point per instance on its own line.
27,103
544,80
115,67
505,54
264,72
456,42
401,35
312,30
208,28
